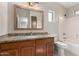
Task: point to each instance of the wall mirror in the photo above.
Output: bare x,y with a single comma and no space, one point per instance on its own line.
27,19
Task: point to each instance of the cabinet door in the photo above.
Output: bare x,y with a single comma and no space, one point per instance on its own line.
28,51
50,50
50,47
40,51
40,47
9,53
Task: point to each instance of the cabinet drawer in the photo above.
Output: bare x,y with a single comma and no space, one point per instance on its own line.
27,43
50,41
6,46
40,42
27,51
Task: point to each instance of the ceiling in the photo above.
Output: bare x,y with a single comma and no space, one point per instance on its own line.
68,4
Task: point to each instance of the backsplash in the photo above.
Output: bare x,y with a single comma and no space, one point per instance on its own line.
29,33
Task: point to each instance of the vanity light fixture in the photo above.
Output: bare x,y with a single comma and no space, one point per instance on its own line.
33,3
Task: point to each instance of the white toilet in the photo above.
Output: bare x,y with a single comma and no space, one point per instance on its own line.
61,46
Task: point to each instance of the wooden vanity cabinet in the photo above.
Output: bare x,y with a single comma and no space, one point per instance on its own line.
50,47
9,49
13,52
45,47
41,47
28,51
27,48
37,47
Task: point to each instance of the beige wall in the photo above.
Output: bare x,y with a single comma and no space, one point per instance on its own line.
3,18
52,27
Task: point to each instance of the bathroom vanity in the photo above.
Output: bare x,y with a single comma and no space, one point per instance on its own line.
28,46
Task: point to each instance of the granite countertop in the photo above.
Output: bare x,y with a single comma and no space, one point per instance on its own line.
7,38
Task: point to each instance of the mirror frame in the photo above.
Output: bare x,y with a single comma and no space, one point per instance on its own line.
15,20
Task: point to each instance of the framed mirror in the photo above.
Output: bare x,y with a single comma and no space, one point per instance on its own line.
27,19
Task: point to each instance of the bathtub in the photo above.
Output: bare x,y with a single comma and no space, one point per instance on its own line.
72,50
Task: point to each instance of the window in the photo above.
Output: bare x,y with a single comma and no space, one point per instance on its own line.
76,12
51,16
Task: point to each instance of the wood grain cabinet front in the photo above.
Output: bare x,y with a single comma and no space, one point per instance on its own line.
41,51
27,48
40,47
37,47
13,52
27,51
50,50
50,47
